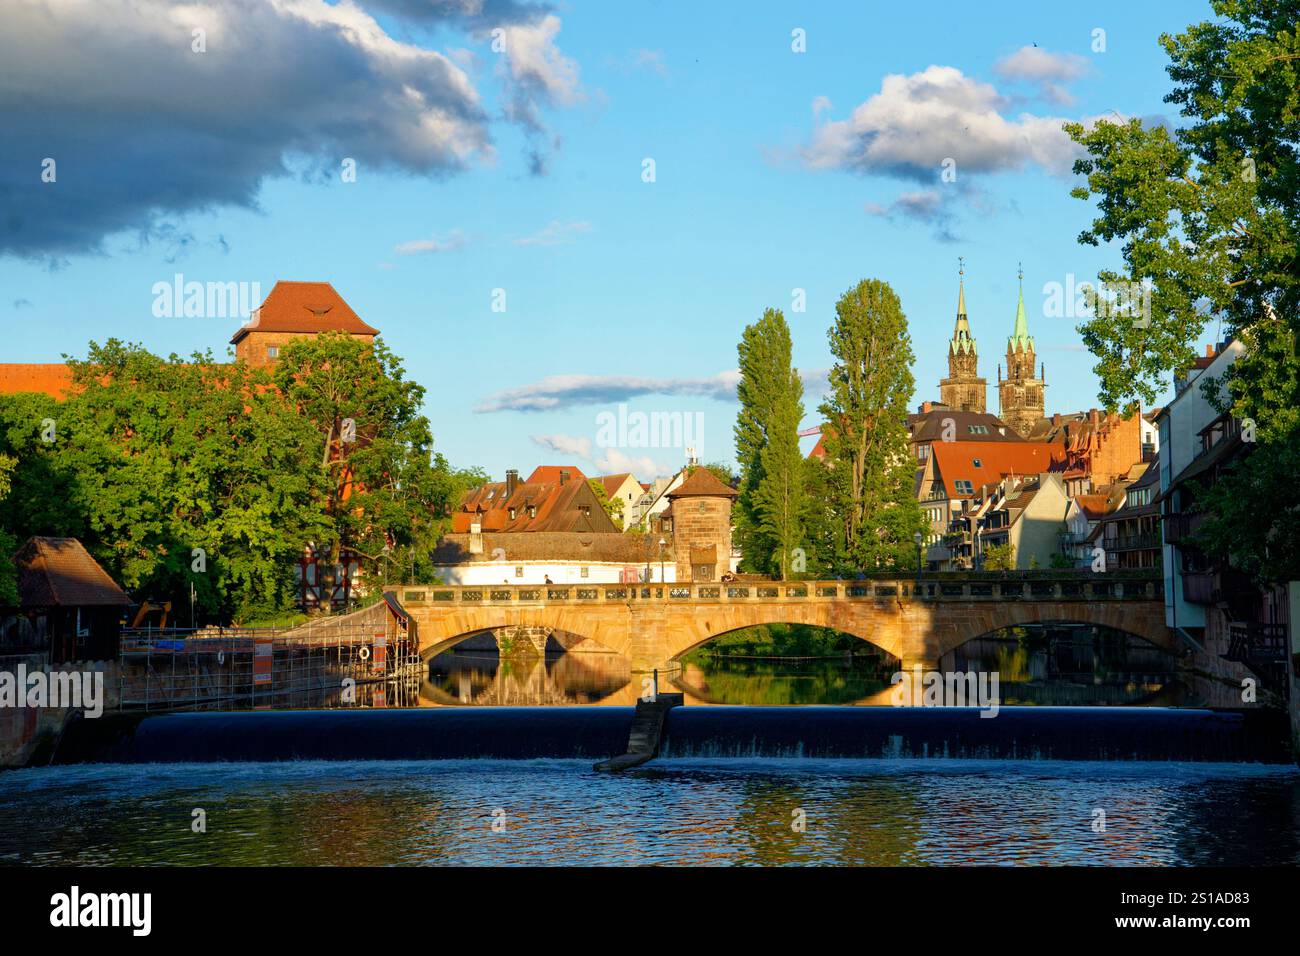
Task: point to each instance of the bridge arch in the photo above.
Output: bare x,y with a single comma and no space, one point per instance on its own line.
872,640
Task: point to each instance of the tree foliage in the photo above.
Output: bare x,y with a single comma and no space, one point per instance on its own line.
770,507
871,474
1210,214
191,472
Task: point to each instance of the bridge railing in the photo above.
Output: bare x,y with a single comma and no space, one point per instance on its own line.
991,587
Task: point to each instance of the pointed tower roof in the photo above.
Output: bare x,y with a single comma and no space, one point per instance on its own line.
961,338
1020,337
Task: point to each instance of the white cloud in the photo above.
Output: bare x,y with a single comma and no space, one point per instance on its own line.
454,240
609,461
614,462
1048,71
565,444
536,64
565,391
556,233
916,122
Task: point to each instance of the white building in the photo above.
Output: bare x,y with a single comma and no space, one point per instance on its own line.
567,558
1181,423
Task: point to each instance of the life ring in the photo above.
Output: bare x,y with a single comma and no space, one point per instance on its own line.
364,653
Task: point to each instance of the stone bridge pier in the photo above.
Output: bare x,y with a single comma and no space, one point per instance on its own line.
522,640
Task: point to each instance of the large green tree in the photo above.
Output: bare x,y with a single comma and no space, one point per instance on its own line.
385,493
172,472
872,477
770,506
1209,214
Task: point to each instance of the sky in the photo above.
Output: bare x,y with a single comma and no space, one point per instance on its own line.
553,210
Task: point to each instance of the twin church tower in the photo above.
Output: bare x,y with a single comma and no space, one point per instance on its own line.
1020,395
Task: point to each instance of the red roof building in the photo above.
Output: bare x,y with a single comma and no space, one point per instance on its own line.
295,310
567,504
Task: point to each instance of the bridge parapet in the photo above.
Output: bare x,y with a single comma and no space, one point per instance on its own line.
932,588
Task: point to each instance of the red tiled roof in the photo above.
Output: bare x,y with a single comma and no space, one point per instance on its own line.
59,572
53,379
552,473
703,483
557,507
996,460
304,307
1094,506
612,483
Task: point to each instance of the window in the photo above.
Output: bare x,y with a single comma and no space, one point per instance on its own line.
272,351
519,572
978,429
582,572
978,463
1139,497
964,487
532,511
512,514
703,508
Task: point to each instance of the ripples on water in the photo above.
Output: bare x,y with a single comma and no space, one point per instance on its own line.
897,812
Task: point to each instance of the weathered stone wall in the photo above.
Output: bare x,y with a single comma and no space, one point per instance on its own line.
702,522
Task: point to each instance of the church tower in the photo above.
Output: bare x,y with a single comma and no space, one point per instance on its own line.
963,389
1020,395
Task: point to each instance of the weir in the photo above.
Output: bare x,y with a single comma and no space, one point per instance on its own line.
1018,733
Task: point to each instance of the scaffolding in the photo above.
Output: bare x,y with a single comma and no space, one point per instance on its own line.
328,663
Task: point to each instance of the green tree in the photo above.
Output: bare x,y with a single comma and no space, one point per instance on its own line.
612,508
189,472
1209,214
872,475
383,491
1000,557
770,505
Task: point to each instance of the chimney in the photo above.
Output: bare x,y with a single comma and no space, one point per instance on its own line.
1209,350
512,482
564,475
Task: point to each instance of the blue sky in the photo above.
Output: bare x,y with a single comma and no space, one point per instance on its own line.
766,180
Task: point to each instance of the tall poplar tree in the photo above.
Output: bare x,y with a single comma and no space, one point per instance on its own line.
872,475
769,510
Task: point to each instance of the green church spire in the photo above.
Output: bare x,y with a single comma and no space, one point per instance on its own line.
961,337
1020,337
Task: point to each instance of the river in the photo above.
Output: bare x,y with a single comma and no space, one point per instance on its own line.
877,812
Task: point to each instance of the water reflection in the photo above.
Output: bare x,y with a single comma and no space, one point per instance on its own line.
1050,665
483,678
881,812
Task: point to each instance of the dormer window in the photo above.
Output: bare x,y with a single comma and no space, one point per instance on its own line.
532,511
513,512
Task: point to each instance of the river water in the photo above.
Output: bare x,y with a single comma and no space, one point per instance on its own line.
878,812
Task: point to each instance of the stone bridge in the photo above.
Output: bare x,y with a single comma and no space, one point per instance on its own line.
653,625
